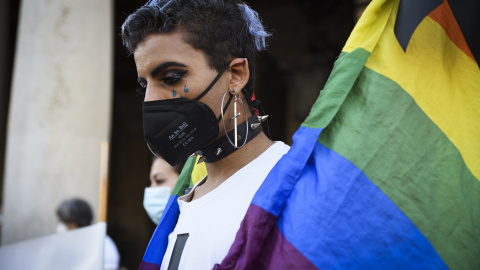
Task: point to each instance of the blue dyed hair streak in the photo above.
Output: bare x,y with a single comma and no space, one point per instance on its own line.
157,3
255,26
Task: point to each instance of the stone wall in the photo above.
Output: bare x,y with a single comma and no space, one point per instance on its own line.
59,111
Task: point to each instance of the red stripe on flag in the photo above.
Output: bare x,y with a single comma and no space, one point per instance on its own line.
443,15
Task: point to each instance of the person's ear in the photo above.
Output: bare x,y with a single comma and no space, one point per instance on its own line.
239,74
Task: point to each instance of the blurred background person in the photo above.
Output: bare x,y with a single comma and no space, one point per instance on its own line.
75,213
163,178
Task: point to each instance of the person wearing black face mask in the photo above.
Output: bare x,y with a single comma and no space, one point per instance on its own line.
197,79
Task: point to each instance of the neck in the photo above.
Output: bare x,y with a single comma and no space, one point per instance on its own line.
222,169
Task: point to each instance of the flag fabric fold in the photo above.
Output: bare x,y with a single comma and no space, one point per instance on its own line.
391,175
384,173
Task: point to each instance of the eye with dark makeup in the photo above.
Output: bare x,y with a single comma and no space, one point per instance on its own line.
173,76
170,78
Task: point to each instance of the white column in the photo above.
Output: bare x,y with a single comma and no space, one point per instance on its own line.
4,80
60,110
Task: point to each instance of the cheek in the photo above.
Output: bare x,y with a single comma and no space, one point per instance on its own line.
214,97
153,183
157,93
172,181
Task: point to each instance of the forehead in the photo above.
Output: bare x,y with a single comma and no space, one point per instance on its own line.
163,47
161,166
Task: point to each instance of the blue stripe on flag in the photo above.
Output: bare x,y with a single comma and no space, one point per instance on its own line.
349,223
276,188
158,244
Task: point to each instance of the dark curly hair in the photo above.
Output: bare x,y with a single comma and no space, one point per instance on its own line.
222,29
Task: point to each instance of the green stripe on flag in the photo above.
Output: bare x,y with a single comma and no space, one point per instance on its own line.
383,132
343,76
185,177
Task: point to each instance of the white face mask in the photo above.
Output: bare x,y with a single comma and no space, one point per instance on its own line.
155,200
61,227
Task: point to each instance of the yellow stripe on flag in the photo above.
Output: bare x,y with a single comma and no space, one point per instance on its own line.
199,171
369,28
441,78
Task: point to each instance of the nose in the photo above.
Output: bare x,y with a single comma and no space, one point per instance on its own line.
157,93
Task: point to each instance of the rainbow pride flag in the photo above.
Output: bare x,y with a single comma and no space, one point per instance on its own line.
384,173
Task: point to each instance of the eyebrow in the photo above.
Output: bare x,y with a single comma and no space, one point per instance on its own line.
161,67
159,174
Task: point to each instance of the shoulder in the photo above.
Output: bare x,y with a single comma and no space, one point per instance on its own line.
278,148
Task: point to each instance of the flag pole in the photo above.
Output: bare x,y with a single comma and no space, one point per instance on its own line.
104,161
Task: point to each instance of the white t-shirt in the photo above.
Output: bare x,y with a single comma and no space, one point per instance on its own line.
209,224
111,259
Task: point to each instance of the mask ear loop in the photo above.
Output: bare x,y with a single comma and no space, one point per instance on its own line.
236,115
212,83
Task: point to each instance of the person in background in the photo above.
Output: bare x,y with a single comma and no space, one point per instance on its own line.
163,178
75,213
